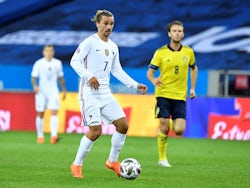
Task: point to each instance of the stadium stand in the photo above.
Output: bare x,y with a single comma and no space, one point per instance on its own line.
131,16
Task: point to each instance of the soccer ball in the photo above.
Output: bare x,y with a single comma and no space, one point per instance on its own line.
130,168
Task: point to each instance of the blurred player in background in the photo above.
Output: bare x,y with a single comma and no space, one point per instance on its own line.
47,70
172,61
95,58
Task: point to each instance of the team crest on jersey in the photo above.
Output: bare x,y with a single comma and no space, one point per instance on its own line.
185,59
106,52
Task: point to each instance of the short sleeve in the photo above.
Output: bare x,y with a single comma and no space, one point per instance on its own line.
34,72
192,58
156,61
60,73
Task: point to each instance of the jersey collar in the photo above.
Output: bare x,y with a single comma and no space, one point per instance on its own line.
169,47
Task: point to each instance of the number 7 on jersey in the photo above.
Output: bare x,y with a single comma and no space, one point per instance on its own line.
106,62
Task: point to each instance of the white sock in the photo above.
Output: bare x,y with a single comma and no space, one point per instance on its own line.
39,126
53,125
84,148
117,143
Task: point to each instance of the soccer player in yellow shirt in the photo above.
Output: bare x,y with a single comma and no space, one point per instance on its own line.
173,61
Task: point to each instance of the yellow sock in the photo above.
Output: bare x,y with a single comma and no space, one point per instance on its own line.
162,146
171,124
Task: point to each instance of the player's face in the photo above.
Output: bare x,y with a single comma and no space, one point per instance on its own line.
105,26
176,33
48,52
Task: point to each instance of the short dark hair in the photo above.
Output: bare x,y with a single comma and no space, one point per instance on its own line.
48,45
175,22
99,13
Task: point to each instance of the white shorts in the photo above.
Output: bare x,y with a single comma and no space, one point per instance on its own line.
100,109
44,102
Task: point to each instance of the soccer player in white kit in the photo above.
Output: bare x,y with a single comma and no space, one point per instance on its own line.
94,59
47,70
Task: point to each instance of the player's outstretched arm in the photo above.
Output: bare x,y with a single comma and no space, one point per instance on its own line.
142,88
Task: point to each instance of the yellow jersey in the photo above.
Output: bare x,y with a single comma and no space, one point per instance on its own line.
173,67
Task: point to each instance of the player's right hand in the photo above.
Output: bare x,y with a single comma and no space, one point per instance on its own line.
94,84
157,82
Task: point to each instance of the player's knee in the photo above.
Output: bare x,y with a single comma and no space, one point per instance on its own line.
40,114
94,132
54,112
93,136
164,125
179,133
164,130
179,130
179,126
122,128
125,128
121,125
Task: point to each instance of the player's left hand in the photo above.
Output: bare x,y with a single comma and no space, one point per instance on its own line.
192,93
142,88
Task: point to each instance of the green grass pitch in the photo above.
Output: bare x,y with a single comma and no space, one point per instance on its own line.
195,163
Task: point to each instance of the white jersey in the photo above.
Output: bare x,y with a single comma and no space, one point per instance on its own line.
48,73
95,57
